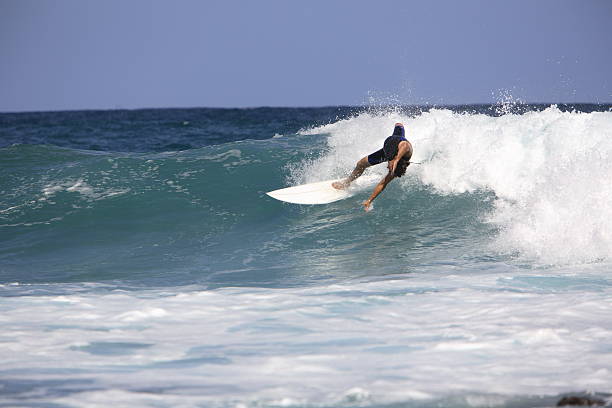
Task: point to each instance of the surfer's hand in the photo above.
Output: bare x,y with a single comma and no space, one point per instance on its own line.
367,205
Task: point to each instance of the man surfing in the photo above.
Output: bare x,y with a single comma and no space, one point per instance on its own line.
396,151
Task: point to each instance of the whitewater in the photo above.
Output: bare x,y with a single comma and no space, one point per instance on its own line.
142,264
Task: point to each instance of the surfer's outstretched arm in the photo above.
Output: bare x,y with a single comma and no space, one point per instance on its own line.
362,164
378,189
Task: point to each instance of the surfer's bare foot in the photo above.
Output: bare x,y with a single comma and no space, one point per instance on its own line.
340,185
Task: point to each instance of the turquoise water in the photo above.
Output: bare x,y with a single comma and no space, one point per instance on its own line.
141,262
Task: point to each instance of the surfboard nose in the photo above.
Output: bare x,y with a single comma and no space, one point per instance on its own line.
321,192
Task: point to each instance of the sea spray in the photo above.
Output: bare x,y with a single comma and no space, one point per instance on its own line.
549,171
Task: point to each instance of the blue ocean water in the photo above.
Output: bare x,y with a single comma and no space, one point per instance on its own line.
142,264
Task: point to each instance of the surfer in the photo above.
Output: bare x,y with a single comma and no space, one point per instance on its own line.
396,151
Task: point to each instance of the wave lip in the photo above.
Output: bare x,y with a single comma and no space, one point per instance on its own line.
550,171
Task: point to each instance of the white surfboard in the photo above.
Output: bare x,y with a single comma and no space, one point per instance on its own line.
321,192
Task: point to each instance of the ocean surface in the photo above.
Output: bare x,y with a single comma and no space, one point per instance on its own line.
142,264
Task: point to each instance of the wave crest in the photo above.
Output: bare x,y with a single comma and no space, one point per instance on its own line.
549,170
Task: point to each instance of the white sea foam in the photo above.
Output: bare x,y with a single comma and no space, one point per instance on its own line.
549,170
361,343
80,187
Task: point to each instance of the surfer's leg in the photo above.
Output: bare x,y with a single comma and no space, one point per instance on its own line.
359,169
362,164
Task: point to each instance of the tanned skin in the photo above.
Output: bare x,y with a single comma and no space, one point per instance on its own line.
403,147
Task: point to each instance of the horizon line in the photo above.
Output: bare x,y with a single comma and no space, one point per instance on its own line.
429,105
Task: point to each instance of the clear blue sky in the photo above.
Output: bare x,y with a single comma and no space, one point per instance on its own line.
85,54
